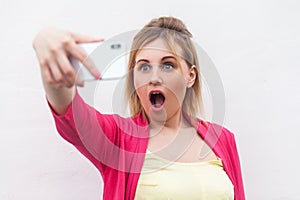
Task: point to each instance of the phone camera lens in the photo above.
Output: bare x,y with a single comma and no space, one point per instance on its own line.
115,46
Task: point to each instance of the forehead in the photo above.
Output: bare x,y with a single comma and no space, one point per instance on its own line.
157,48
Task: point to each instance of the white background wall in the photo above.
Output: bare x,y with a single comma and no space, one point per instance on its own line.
255,46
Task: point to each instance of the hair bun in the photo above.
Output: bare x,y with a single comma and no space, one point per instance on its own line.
171,23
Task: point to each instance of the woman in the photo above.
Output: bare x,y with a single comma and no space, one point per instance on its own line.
161,151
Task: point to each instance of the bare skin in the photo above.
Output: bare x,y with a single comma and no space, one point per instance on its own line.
52,47
182,145
172,137
169,131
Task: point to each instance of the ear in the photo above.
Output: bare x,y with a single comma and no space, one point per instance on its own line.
191,77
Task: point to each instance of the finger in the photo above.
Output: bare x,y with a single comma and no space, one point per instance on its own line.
55,72
49,79
69,72
79,38
79,82
91,67
66,69
81,56
46,74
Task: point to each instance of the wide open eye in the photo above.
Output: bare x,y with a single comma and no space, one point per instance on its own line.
167,66
144,67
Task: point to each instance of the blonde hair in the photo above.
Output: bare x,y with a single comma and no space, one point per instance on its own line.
174,33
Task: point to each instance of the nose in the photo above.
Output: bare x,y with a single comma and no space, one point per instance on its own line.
155,78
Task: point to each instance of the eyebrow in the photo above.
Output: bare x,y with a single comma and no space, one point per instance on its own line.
164,58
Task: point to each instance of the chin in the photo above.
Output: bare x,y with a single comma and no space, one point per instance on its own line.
154,116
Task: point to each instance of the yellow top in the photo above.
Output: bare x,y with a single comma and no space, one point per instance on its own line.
164,179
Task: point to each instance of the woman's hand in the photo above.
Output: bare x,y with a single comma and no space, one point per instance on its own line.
53,47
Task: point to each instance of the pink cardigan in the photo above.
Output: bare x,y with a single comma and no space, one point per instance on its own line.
117,146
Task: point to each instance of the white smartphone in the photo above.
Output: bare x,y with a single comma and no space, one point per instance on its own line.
109,57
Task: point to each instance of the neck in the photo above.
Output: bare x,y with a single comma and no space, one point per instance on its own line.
175,122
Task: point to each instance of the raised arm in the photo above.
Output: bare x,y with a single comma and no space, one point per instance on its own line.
53,47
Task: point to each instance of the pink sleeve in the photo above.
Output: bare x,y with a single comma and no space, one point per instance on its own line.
91,132
239,188
231,160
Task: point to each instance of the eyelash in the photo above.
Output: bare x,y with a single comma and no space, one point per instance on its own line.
168,64
143,65
161,65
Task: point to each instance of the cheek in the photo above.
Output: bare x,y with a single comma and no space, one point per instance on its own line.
142,93
177,88
138,80
140,88
143,97
178,94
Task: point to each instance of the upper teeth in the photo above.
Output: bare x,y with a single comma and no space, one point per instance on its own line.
155,92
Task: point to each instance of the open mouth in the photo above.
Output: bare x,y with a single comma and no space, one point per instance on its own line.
157,99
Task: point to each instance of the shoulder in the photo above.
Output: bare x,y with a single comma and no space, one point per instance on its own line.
225,130
215,130
222,140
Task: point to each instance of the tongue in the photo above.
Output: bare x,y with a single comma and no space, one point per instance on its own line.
158,100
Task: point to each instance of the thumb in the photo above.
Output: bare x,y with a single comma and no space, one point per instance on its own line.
79,38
